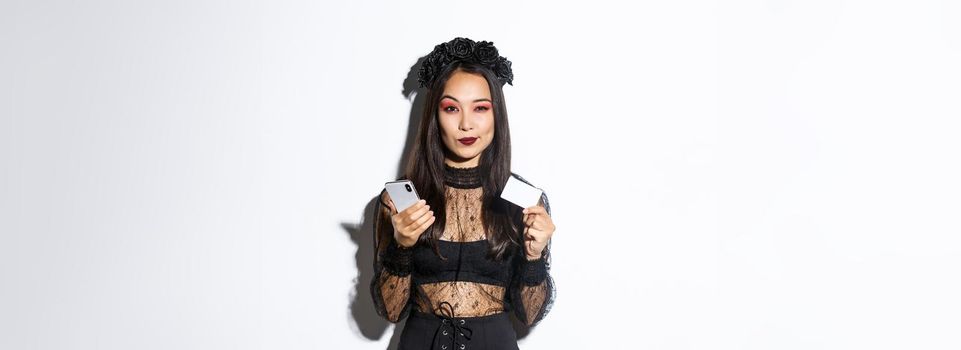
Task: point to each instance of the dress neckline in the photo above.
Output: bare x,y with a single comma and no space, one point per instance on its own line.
463,242
465,178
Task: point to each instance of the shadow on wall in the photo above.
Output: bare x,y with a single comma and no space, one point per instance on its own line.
365,319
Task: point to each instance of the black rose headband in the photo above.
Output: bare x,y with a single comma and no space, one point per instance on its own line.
464,49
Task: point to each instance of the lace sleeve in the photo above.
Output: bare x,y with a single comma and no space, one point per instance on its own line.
390,286
532,289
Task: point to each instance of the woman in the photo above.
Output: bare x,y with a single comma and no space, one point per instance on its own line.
462,258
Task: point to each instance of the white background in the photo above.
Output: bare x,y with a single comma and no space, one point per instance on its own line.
722,174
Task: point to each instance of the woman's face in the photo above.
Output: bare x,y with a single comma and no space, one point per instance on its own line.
465,113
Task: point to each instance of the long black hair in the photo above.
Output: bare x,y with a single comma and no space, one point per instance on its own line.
425,167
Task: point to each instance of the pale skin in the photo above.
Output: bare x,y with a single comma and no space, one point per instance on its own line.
465,111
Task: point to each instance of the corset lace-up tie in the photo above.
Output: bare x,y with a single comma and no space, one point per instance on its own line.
451,326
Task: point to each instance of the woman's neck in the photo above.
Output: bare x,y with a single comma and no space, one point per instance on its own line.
469,163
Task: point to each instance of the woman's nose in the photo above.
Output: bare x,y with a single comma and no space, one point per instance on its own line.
466,124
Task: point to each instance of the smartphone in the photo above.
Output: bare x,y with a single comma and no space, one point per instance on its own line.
402,193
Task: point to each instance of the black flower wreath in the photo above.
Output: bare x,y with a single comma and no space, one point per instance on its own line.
464,49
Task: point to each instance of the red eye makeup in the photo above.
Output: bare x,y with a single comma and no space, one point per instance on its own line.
446,104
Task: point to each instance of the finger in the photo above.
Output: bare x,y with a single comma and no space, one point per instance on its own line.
536,225
423,227
543,223
536,235
405,213
390,204
413,213
414,207
421,214
416,224
536,209
537,222
529,219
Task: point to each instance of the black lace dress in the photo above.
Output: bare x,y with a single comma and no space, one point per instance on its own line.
465,301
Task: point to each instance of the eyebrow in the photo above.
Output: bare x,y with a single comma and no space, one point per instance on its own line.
477,100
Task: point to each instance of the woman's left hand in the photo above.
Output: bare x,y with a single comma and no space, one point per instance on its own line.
538,229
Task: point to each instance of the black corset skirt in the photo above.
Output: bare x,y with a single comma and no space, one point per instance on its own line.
428,331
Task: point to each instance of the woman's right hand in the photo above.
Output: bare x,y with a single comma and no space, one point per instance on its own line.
410,223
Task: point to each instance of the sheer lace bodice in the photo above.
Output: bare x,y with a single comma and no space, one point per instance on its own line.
464,221
469,280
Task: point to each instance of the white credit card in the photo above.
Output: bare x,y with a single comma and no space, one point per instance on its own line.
520,193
